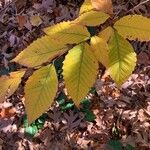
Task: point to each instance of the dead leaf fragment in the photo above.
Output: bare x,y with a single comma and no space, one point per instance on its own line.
35,20
21,20
7,112
103,5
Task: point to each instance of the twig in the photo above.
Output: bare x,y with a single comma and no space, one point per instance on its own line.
144,2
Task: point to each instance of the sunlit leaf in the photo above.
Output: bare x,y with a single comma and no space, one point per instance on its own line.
68,32
40,51
122,59
134,27
92,18
9,84
86,6
40,91
106,34
79,70
100,49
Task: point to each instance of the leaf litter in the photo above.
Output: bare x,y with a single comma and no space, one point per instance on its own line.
123,114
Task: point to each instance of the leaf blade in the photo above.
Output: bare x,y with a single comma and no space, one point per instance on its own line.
40,51
79,71
130,27
86,6
9,84
68,33
92,18
122,59
40,91
106,34
100,49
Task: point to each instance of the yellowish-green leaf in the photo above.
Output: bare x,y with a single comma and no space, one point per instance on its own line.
9,84
40,51
134,27
68,32
79,70
40,91
92,18
106,34
103,5
100,49
86,6
122,59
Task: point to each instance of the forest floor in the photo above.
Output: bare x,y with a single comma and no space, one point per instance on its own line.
108,116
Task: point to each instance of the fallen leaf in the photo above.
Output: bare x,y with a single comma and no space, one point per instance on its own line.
7,112
35,20
143,58
21,20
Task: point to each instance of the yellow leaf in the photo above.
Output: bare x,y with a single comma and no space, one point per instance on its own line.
68,32
134,27
103,5
9,84
100,49
106,34
92,18
35,20
40,51
40,91
86,6
79,70
122,59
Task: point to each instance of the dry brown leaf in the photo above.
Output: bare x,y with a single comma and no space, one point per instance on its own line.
20,5
143,58
103,5
115,93
7,112
21,20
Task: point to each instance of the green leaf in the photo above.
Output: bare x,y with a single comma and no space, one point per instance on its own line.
67,106
79,70
93,91
134,27
40,91
86,103
89,115
61,99
114,145
40,51
63,103
122,59
129,147
31,130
